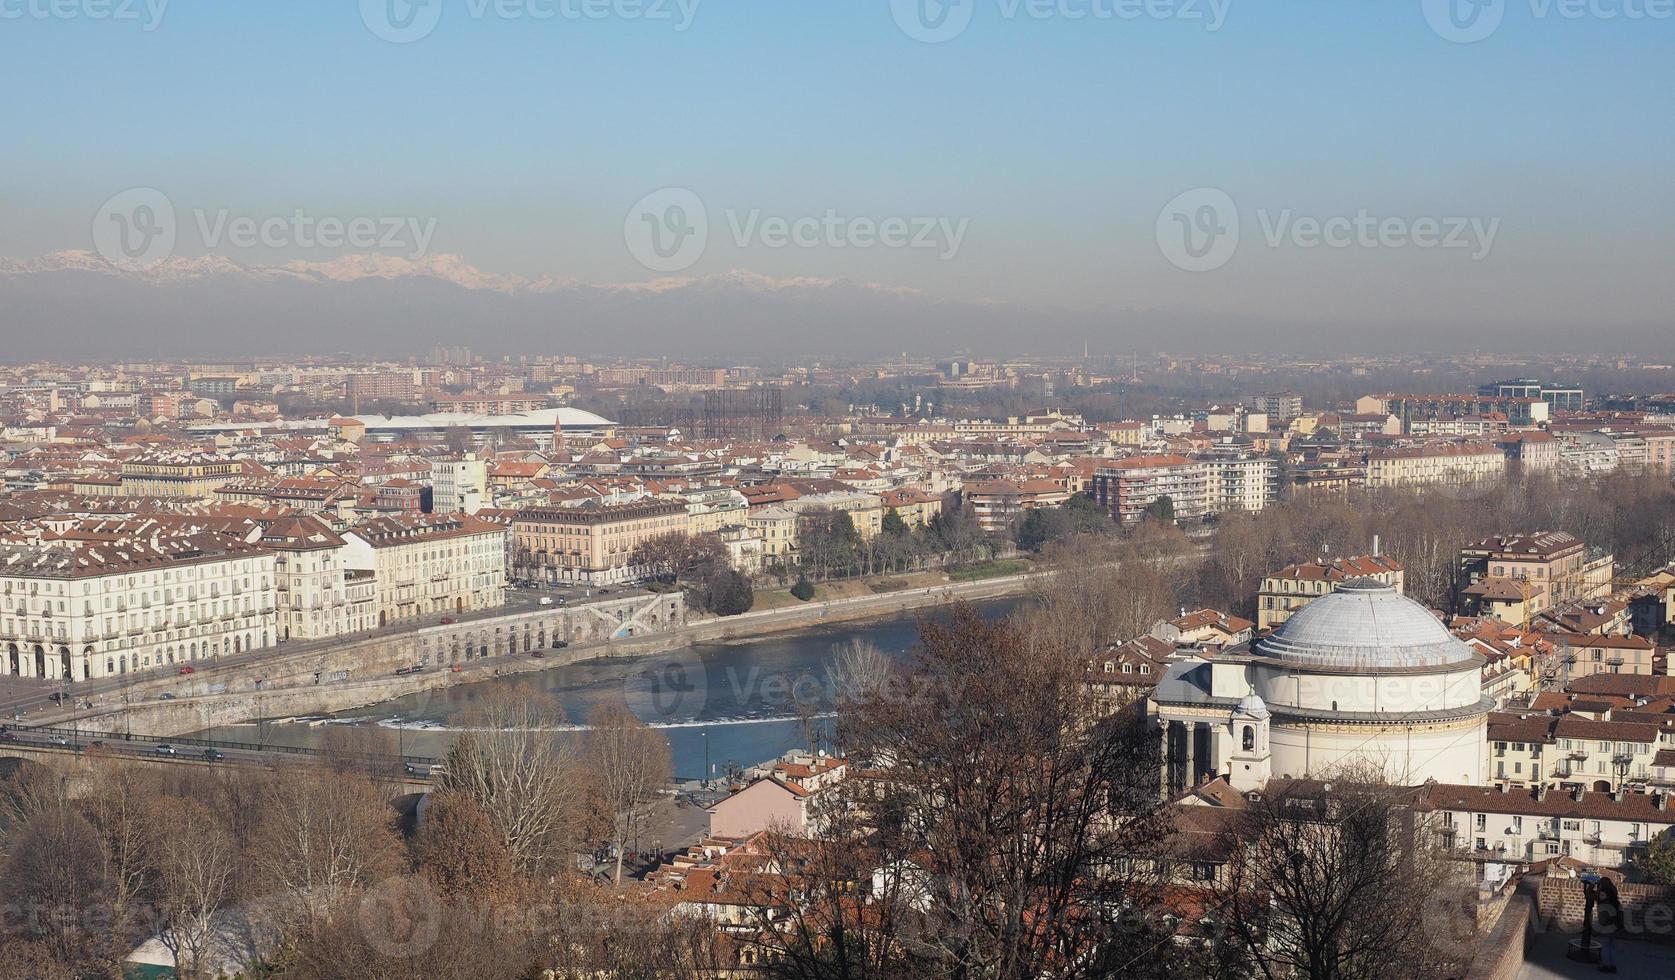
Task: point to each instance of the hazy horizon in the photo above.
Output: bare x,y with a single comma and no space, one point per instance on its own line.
911,175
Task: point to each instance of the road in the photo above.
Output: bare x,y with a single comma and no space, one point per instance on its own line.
199,751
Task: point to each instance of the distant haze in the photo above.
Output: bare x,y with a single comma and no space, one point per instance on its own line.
77,307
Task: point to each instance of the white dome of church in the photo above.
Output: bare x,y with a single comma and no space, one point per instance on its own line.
1361,676
1368,624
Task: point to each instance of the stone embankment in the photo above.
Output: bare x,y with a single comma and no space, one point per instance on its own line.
361,672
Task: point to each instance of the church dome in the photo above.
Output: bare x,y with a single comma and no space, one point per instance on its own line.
1252,706
1364,624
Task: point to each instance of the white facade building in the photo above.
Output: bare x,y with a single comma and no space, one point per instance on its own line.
76,610
459,486
1362,676
430,565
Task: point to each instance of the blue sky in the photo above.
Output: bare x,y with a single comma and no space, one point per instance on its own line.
1058,140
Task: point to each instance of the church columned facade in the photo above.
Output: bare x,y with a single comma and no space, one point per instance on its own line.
1361,676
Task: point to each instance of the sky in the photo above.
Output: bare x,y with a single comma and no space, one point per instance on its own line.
1382,163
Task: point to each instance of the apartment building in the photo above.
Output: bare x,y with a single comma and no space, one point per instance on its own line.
429,564
395,386
1128,486
1438,464
710,510
1295,586
1528,825
78,610
915,507
1591,654
998,503
1236,481
177,475
865,510
1529,452
459,486
1604,754
314,592
1556,561
592,543
1282,406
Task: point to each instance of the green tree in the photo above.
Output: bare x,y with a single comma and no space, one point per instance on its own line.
893,524
1658,863
1161,511
803,589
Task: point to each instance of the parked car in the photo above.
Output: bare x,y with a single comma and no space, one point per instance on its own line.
187,670
97,743
165,749
166,696
538,655
560,644
546,600
213,755
6,736
449,620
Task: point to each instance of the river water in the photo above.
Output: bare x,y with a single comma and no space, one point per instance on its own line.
739,702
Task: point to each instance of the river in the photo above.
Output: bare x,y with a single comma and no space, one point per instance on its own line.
734,703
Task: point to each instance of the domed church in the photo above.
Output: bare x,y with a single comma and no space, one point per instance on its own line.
1361,676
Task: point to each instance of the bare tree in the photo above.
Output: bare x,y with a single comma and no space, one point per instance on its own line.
1339,881
630,763
194,860
992,814
321,840
528,782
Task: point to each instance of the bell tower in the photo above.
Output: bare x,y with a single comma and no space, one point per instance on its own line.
1249,764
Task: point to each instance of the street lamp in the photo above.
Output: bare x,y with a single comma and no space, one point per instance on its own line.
706,733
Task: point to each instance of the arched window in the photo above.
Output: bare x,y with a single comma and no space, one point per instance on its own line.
1250,738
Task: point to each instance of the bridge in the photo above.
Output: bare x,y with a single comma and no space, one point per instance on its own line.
61,746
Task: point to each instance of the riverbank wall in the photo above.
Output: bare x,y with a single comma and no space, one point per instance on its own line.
363,672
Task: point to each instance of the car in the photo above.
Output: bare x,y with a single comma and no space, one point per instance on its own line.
97,743
560,644
404,671
449,620
58,740
213,755
187,670
6,736
538,655
165,749
546,600
56,697
166,696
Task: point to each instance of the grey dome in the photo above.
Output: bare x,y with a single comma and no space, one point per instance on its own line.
1252,706
1364,623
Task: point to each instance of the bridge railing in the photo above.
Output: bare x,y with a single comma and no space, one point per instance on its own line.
82,736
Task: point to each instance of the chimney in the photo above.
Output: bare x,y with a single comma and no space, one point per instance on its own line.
1660,801
1540,792
1504,788
1576,794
